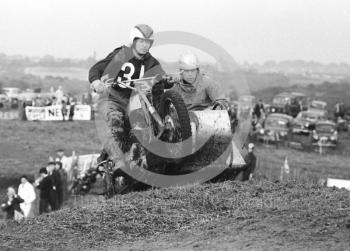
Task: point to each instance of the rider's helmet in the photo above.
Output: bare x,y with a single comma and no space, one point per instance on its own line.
141,31
188,61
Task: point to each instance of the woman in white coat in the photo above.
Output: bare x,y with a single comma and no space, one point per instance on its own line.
27,192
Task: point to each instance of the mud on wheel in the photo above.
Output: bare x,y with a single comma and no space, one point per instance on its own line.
175,115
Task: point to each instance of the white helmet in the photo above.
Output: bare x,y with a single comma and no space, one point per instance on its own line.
141,31
188,62
250,146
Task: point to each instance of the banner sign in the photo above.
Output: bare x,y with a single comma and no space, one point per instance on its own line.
82,112
9,115
54,113
339,183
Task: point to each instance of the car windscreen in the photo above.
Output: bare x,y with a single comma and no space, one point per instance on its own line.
280,100
325,128
311,116
318,105
276,122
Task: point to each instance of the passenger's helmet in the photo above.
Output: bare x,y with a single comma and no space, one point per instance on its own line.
188,62
141,31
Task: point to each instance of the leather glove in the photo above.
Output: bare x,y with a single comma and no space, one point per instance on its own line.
143,86
172,78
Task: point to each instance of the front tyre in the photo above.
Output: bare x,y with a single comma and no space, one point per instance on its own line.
175,115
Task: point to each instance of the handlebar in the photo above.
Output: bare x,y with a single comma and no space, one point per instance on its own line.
156,79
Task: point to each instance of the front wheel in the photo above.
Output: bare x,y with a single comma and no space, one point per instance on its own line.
175,115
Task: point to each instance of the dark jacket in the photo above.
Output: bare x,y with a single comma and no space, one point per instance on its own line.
250,160
13,206
121,64
56,179
257,109
45,187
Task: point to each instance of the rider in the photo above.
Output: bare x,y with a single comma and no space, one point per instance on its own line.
197,90
124,63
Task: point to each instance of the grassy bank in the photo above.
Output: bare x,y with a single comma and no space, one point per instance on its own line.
305,212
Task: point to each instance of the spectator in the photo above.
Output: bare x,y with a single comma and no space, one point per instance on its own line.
61,157
59,95
250,160
62,185
54,101
339,111
48,102
55,181
44,183
259,109
27,193
64,110
12,206
22,110
71,108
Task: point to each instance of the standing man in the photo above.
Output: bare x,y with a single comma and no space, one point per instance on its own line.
12,205
27,193
250,160
259,109
62,184
54,176
44,183
125,63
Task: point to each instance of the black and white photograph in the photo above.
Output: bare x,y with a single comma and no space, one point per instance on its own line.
174,125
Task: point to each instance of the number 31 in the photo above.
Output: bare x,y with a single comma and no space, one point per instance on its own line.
131,72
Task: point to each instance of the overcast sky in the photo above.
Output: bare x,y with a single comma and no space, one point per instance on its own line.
250,30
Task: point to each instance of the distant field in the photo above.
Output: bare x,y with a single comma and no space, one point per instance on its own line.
26,146
69,72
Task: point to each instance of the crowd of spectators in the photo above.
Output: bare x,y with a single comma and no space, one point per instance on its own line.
49,190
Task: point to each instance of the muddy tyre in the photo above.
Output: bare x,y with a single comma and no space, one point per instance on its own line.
174,113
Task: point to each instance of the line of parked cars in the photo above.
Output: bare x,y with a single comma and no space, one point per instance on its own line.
307,124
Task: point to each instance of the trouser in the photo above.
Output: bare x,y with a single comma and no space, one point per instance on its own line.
59,197
118,136
53,200
120,139
43,205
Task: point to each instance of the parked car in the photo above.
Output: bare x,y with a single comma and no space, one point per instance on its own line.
3,98
277,128
279,103
301,99
306,120
289,103
12,92
318,105
325,134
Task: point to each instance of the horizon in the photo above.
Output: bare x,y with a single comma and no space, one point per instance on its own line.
175,61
